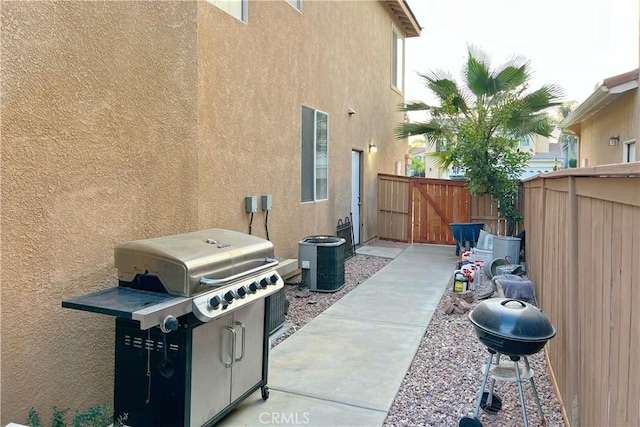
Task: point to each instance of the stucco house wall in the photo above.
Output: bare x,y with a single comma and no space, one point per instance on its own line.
332,56
127,120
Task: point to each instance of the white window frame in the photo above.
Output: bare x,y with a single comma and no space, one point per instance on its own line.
526,142
297,4
626,147
226,6
304,177
397,60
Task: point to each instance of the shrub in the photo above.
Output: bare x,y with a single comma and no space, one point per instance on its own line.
96,416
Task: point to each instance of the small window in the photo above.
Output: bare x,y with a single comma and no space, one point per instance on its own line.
397,60
296,3
235,8
314,164
629,151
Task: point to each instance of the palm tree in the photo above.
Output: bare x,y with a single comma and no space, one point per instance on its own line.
569,142
478,125
417,166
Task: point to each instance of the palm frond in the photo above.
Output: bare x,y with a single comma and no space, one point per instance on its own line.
524,124
513,73
437,74
543,98
540,125
476,73
508,78
414,106
444,89
404,130
441,159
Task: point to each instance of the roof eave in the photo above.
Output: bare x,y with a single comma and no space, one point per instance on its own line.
604,94
403,14
584,109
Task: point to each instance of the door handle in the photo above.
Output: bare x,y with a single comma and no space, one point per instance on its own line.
244,334
233,348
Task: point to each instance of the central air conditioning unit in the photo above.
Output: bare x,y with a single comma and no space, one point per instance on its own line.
321,259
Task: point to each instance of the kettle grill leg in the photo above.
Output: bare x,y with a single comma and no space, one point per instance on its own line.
535,394
521,392
476,411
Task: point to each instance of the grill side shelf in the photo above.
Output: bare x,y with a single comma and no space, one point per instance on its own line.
118,301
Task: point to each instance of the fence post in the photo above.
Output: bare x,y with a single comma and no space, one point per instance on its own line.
543,207
571,258
410,210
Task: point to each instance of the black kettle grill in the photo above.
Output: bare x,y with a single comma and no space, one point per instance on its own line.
513,328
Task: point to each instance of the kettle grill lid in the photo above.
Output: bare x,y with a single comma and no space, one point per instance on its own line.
512,319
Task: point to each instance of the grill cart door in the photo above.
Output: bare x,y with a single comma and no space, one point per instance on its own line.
228,354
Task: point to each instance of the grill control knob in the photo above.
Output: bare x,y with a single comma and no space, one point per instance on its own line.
264,283
273,279
253,287
214,302
242,291
229,296
169,324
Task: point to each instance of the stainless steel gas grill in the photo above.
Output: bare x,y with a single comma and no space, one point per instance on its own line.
191,340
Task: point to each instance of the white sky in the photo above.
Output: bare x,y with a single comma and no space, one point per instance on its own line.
573,43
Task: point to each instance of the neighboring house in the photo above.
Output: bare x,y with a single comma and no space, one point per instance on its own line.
129,120
419,149
546,156
606,123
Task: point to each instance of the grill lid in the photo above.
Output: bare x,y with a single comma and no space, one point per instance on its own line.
512,319
181,261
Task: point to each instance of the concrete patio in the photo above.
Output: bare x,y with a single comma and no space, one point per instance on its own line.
345,366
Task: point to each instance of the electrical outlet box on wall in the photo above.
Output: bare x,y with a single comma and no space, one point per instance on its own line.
251,204
267,202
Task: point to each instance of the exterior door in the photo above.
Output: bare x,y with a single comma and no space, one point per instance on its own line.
356,157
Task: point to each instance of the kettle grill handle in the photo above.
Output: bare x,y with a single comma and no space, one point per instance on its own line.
269,262
507,301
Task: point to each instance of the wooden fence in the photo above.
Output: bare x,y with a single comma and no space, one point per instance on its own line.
583,254
420,210
394,208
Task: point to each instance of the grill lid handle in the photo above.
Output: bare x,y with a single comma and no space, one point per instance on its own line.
269,262
508,301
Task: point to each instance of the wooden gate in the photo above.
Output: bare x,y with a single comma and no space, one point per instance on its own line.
420,210
394,208
437,203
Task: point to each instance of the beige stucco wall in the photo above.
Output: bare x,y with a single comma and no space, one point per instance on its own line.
540,144
98,145
620,118
126,120
333,56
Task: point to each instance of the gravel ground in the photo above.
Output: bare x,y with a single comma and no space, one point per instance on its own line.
304,305
443,381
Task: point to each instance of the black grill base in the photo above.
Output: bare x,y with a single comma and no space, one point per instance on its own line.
158,399
165,400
